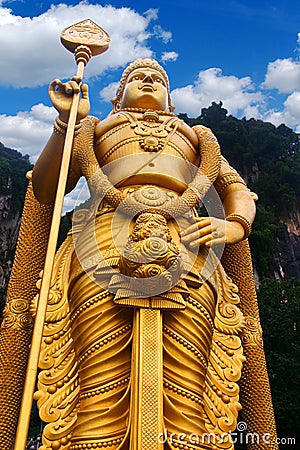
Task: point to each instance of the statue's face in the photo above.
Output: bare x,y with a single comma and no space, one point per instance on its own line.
145,88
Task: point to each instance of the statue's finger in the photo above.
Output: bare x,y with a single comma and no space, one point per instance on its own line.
54,84
215,241
77,79
202,241
71,87
190,237
196,234
202,221
85,91
190,229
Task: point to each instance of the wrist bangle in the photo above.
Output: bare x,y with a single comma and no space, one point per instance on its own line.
242,221
60,127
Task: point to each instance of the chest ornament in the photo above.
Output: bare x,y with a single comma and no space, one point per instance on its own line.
153,133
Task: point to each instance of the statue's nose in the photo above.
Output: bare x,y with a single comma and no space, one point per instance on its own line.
148,79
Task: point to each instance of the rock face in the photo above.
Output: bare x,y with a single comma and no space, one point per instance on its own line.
9,226
13,168
287,264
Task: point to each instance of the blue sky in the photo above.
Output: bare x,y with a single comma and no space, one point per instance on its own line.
244,53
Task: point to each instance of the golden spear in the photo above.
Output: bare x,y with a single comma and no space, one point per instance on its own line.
85,39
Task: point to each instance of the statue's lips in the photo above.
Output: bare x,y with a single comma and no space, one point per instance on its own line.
147,87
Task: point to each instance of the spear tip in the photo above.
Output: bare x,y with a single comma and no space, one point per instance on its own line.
86,33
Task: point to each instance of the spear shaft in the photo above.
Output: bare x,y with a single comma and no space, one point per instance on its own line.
82,55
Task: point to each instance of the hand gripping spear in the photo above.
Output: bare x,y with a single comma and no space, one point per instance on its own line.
85,39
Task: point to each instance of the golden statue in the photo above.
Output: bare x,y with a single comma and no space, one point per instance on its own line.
152,309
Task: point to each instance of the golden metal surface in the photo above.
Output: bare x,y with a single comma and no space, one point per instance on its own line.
256,397
145,334
17,324
147,377
86,33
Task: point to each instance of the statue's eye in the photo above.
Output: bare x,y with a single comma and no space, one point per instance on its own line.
160,80
135,78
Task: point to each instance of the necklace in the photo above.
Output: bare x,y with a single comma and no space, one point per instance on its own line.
152,132
145,110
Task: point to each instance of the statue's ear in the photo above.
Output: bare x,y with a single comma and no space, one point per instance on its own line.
116,104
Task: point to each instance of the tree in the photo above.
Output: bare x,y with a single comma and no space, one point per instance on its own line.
280,318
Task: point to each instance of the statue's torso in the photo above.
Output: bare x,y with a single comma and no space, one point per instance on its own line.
147,148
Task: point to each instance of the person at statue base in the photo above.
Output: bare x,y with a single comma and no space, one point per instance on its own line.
146,333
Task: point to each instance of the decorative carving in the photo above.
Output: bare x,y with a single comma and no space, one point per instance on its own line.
255,395
147,373
221,398
150,263
16,314
252,334
154,135
58,388
151,196
89,34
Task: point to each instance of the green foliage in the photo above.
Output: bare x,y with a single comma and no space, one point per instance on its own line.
263,240
280,318
248,143
65,225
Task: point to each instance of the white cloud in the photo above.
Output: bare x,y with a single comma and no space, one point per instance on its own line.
109,92
237,94
151,14
79,195
160,33
28,131
290,115
283,75
169,56
292,104
33,46
34,56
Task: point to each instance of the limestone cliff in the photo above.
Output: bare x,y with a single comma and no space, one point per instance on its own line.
13,168
287,262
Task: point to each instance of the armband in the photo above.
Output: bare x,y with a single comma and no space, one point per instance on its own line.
242,221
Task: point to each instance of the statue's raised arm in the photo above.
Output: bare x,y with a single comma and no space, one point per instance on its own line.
47,168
